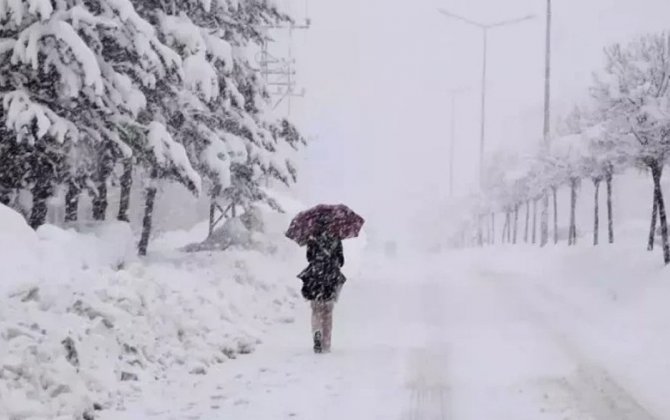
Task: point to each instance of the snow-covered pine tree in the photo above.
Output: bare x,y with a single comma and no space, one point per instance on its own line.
221,115
41,56
73,72
270,141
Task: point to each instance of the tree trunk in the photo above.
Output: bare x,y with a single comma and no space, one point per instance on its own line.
5,195
509,227
596,219
505,230
214,193
544,228
493,228
534,220
126,187
41,168
652,231
525,234
72,202
610,214
100,199
480,233
516,223
41,192
212,210
572,234
657,172
554,193
146,222
508,230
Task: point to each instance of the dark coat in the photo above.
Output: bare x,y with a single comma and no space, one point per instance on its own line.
322,277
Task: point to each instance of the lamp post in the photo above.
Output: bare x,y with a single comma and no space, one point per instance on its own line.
485,29
544,223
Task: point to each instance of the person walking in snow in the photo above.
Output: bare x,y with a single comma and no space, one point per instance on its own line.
322,229
322,282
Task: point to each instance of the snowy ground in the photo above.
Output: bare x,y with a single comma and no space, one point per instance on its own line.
521,334
87,328
502,333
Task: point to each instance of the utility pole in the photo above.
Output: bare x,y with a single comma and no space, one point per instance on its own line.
451,146
547,78
482,129
279,73
544,226
484,28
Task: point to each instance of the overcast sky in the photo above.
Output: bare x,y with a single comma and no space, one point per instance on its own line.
377,74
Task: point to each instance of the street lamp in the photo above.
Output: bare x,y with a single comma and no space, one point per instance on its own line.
485,28
544,223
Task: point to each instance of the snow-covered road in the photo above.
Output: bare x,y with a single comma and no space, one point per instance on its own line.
444,339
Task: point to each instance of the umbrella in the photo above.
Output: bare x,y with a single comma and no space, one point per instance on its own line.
341,222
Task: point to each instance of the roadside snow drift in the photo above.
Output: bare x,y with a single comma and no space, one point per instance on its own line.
84,326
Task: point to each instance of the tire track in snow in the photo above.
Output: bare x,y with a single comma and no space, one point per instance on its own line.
426,367
426,383
591,393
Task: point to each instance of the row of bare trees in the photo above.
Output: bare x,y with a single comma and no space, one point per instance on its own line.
625,124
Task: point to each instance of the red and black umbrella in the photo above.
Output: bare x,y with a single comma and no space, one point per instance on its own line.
340,221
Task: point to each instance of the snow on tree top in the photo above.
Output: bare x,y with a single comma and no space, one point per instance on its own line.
201,77
22,114
170,154
30,42
16,10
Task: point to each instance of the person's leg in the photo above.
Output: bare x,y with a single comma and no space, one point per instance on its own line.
327,324
316,317
317,325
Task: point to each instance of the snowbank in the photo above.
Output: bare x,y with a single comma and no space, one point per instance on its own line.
18,245
48,257
48,274
84,326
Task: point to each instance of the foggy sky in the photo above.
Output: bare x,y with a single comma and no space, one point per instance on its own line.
377,74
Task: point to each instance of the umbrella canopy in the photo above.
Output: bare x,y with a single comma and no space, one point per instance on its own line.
340,221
